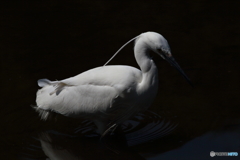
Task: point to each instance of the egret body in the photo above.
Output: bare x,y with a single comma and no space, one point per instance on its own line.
111,94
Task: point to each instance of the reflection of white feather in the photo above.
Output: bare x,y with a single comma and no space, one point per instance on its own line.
54,153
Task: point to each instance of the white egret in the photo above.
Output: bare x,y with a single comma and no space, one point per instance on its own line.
108,95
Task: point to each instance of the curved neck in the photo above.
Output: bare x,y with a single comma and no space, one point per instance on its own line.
149,82
141,53
146,64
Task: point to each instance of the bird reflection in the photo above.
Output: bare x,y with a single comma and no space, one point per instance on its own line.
62,147
86,144
142,128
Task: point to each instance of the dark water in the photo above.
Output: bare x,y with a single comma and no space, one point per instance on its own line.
56,40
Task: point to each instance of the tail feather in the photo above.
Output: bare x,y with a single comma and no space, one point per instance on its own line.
48,98
44,82
44,114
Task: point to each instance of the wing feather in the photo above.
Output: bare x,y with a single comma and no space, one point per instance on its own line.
97,92
75,100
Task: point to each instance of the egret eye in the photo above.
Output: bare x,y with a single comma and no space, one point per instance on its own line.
164,52
160,50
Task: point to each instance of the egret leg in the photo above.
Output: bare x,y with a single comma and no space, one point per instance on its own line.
111,128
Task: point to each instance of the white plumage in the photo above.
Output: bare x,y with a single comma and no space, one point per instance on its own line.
111,94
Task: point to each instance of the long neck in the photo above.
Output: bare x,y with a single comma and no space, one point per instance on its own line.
146,64
141,53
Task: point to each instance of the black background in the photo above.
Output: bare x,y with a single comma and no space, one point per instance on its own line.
59,39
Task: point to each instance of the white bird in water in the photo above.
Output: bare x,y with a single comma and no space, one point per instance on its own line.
108,95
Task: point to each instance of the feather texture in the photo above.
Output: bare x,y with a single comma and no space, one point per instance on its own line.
90,92
109,95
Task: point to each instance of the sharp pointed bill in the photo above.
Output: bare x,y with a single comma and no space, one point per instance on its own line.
172,61
169,58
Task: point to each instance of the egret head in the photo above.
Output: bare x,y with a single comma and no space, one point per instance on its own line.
158,44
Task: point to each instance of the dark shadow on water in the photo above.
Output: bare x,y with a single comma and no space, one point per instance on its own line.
226,139
142,128
145,136
84,143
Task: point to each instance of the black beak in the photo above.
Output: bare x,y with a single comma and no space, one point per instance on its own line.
172,61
